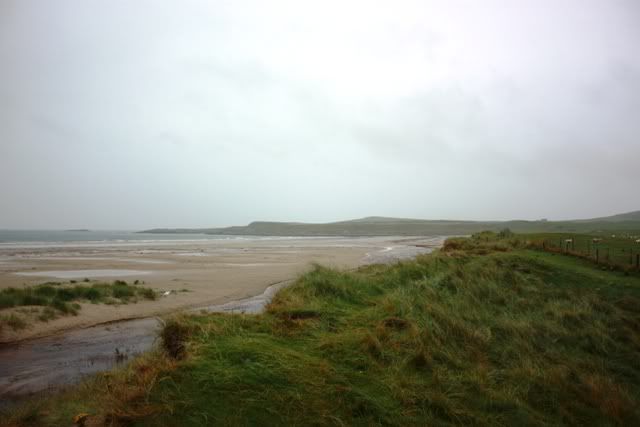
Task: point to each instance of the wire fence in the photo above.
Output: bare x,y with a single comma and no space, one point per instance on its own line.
620,253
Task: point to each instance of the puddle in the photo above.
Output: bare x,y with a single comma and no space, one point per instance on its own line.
78,274
52,362
80,258
251,305
192,254
390,255
143,261
254,264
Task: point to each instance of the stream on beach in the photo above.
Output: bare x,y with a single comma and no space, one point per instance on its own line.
44,364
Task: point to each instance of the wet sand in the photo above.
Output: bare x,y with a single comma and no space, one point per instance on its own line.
202,272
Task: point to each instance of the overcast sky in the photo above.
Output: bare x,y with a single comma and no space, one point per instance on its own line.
137,114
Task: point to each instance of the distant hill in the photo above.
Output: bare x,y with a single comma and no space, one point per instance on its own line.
625,217
384,226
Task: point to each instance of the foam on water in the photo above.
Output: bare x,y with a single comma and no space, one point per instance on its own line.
76,274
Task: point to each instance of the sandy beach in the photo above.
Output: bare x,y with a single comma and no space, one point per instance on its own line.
201,272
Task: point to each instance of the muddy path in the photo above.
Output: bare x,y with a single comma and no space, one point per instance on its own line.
44,364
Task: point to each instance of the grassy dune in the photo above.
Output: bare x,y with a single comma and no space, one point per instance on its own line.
52,299
484,332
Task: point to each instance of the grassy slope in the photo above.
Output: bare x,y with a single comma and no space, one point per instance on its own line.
489,333
618,250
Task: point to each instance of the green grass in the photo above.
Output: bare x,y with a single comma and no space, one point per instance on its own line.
611,249
13,321
484,332
57,298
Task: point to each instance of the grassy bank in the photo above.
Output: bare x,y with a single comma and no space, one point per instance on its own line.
52,299
485,332
613,250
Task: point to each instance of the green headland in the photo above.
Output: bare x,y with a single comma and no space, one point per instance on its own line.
381,226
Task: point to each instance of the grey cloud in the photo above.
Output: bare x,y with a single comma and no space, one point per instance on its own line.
217,113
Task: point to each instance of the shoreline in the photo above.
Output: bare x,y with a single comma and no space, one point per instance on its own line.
191,308
195,275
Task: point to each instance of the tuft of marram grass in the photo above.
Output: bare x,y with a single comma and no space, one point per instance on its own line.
60,299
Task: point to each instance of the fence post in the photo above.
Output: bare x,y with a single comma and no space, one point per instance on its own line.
638,261
597,255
